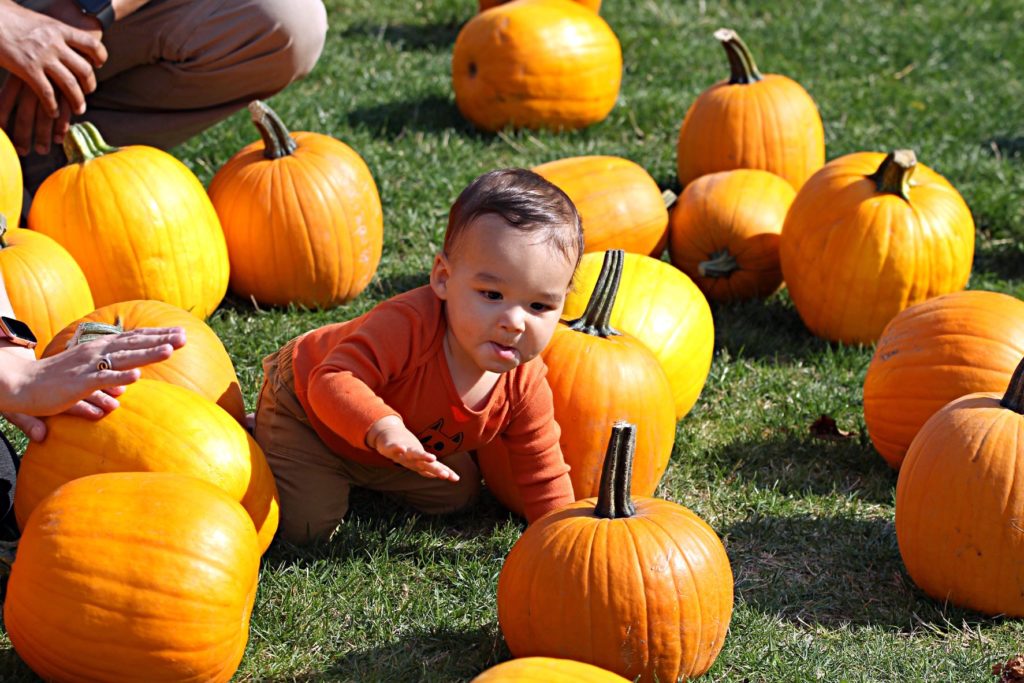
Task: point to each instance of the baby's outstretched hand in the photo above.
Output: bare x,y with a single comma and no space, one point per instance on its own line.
390,437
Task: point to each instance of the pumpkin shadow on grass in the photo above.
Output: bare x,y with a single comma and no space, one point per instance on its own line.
769,328
1006,147
832,571
436,37
429,114
13,669
1003,259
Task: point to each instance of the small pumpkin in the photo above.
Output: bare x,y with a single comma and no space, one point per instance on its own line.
301,215
869,235
639,586
536,64
619,203
46,288
724,233
202,365
12,192
137,221
134,574
959,499
159,427
751,120
934,352
546,670
591,4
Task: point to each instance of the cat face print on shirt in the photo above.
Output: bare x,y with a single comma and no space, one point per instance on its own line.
437,442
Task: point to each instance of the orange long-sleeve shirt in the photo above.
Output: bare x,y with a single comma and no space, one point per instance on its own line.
391,361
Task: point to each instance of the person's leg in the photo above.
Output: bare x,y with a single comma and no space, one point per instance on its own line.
8,479
431,496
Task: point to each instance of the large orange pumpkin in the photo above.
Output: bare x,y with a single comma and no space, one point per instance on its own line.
160,427
301,215
137,221
202,365
536,64
638,586
592,4
934,352
546,670
862,242
46,287
959,498
134,576
619,203
751,121
12,193
724,233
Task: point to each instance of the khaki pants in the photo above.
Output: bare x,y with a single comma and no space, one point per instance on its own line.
313,482
176,67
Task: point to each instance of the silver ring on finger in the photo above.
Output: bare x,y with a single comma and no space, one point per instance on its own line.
105,363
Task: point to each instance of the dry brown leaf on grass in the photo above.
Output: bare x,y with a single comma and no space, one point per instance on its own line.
826,428
1011,671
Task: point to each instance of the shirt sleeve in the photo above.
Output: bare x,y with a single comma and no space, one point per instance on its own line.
535,456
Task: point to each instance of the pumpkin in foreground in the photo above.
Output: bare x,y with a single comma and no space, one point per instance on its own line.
301,215
638,586
536,64
936,351
11,182
591,4
869,235
202,365
546,670
959,498
134,575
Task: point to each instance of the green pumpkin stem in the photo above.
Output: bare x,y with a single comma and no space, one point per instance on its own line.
1014,396
84,142
277,140
89,330
741,62
721,264
613,499
669,197
893,174
596,318
3,231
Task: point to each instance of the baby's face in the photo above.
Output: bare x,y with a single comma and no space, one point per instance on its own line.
504,294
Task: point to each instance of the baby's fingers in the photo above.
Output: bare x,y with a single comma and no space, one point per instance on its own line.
438,470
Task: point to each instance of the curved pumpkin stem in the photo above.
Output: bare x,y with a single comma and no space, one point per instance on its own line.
670,198
893,174
277,140
89,330
596,318
1014,396
84,142
613,500
721,264
3,231
741,62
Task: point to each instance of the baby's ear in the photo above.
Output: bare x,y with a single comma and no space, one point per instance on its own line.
439,274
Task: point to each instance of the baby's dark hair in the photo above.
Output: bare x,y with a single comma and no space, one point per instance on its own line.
526,201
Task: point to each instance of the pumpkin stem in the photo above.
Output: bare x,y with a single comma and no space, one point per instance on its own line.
893,175
721,264
669,197
84,142
1014,396
596,318
741,62
3,231
277,141
613,500
89,330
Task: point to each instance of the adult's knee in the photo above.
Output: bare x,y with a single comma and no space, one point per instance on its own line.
298,28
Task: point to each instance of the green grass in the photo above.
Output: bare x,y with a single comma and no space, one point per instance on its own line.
821,592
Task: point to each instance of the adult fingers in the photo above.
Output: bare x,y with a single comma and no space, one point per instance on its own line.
101,400
71,83
63,122
24,119
145,337
43,131
39,84
9,98
87,410
86,44
33,427
136,358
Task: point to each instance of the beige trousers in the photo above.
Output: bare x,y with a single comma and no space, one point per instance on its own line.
314,482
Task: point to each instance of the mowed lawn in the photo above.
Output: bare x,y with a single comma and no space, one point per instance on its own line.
821,591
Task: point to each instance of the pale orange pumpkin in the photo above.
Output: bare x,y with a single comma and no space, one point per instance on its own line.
137,221
751,120
536,64
592,4
202,365
159,427
302,217
12,193
134,575
724,233
46,288
619,203
868,236
546,670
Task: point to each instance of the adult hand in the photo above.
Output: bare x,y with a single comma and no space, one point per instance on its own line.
78,381
391,438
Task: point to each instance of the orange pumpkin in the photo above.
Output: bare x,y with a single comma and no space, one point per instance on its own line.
638,586
301,215
592,4
619,203
160,427
751,121
12,193
546,670
536,64
862,242
202,365
959,499
934,352
137,221
46,287
724,233
129,575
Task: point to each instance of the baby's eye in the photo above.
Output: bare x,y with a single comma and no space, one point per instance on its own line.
491,295
540,308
